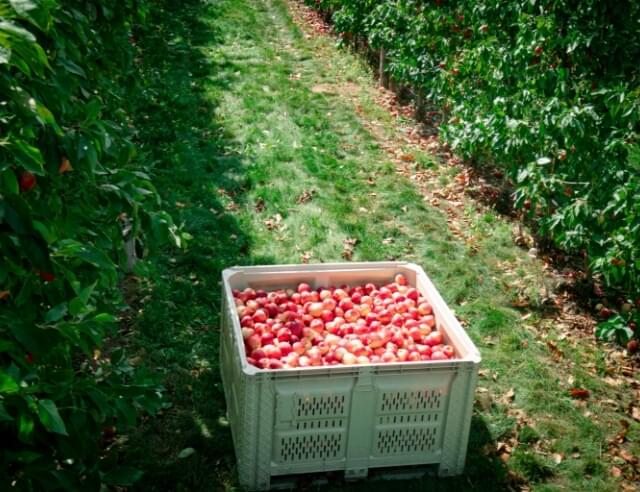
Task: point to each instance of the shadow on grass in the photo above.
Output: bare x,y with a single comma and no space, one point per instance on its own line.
202,176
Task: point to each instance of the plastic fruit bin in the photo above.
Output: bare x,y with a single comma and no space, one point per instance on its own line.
347,418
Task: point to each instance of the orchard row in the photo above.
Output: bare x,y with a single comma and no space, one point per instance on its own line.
550,91
72,191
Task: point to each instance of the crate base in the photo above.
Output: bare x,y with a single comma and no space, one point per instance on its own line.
313,480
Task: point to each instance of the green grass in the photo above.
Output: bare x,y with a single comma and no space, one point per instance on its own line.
238,135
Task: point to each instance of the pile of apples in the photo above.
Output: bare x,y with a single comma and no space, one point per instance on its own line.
367,324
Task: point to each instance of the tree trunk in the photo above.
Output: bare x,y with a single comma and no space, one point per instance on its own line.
382,74
419,104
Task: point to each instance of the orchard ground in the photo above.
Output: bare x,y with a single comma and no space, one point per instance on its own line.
270,146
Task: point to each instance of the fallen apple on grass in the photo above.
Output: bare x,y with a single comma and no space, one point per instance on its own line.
344,325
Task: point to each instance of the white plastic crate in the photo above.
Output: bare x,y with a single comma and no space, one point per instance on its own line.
350,418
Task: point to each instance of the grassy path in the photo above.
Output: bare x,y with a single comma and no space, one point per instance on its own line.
260,148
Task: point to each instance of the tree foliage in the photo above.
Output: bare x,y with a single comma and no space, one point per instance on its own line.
549,89
71,192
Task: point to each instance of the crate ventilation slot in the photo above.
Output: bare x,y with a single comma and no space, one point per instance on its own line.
319,424
410,401
406,441
311,447
320,406
415,418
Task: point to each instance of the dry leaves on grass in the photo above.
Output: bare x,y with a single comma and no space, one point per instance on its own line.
349,245
504,450
305,196
627,456
555,351
579,393
273,223
508,397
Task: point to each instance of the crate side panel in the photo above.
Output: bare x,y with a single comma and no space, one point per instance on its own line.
310,423
410,416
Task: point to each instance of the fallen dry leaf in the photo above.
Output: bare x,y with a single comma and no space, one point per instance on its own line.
557,458
628,371
387,240
232,206
555,351
503,450
616,472
65,166
627,456
305,196
4,294
306,256
349,246
489,341
579,393
616,382
271,224
622,435
508,397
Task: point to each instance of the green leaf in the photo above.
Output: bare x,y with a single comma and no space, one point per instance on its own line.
4,415
9,181
123,475
50,417
92,110
25,427
77,307
185,453
72,67
56,313
5,55
29,156
44,231
17,214
104,318
126,414
16,31
85,293
46,118
23,7
33,338
8,385
22,457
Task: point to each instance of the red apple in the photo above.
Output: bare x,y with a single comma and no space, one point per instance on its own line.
303,287
434,338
